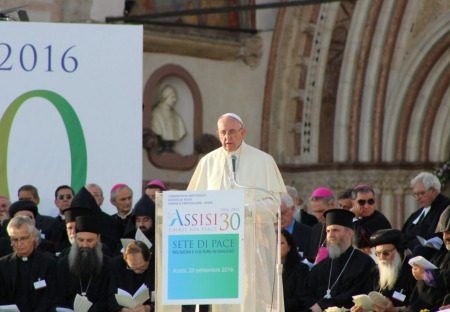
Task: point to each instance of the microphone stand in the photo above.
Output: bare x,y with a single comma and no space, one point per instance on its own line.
279,265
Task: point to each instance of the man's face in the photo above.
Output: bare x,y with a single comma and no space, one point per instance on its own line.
319,207
144,222
345,203
151,192
27,195
338,235
4,208
70,228
63,199
124,201
287,215
230,133
447,239
97,193
423,196
26,213
21,240
86,239
385,252
366,203
136,263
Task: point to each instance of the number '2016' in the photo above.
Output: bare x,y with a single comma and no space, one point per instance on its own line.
28,58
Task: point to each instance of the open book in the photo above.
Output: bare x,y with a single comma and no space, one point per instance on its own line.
139,237
365,301
434,242
9,308
127,300
424,263
80,304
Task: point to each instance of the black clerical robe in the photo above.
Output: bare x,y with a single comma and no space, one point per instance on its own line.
69,286
316,240
121,277
431,298
425,227
404,284
355,278
28,284
294,285
366,226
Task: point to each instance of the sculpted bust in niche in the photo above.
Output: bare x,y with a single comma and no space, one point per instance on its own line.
167,124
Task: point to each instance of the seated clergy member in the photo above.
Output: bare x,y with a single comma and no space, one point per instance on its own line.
85,271
322,199
299,231
368,220
392,276
143,218
129,272
27,276
423,222
26,208
154,187
433,285
345,272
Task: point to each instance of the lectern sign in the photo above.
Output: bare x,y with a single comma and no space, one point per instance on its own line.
203,241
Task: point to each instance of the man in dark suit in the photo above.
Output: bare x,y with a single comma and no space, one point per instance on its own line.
45,224
26,276
423,222
300,231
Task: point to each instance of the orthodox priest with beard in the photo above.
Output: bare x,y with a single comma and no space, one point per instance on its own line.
85,270
345,272
392,277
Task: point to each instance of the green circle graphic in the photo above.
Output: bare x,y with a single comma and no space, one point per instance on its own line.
77,143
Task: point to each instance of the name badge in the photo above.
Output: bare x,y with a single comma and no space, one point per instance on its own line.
399,296
40,284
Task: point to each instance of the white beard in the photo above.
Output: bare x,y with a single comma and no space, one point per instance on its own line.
389,271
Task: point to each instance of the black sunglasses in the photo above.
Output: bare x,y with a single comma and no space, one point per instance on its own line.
362,202
68,196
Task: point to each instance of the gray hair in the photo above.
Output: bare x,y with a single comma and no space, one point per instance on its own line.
113,193
429,180
18,221
287,199
94,185
292,190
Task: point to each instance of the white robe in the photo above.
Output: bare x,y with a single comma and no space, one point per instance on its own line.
253,168
258,169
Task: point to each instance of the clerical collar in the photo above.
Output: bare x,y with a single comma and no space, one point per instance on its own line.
24,259
423,213
125,216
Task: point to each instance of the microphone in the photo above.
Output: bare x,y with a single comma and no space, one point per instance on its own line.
233,163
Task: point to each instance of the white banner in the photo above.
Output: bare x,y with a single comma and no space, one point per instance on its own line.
70,107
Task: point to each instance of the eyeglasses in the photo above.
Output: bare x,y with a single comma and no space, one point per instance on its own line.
229,133
17,240
421,193
68,196
142,269
384,252
362,202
